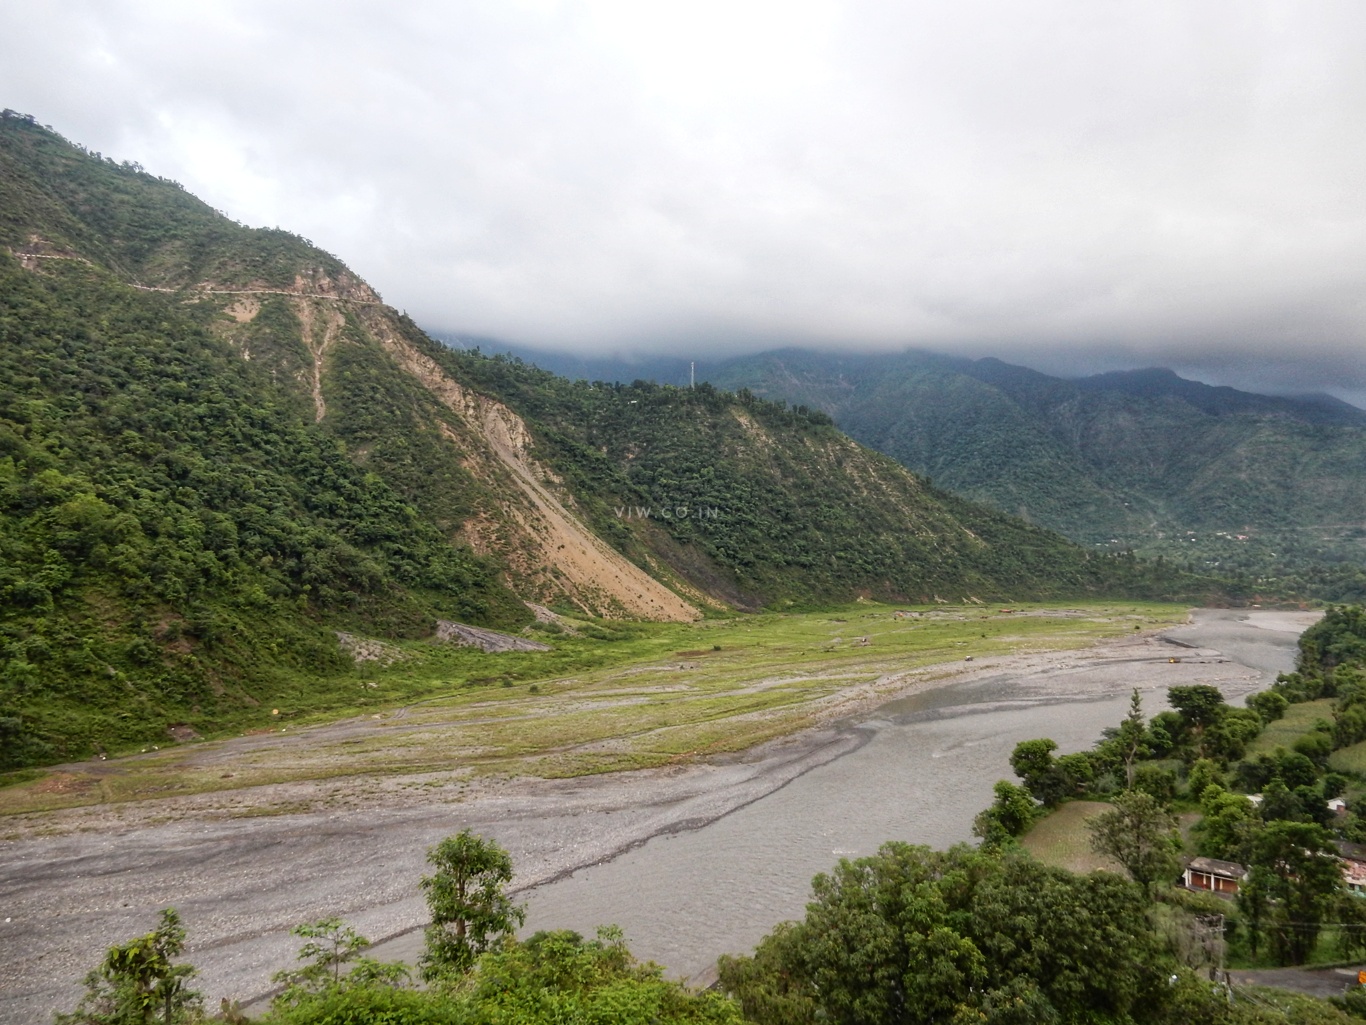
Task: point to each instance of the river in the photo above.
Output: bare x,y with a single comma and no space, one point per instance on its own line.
926,770
692,861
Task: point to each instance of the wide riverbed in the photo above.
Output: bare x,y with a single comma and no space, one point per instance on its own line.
926,770
691,860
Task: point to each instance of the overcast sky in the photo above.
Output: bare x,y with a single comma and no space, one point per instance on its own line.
1077,186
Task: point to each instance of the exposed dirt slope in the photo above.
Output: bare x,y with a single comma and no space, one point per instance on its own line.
550,554
548,541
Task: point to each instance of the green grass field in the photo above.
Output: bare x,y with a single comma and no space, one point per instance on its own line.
1060,838
1349,759
657,694
1298,720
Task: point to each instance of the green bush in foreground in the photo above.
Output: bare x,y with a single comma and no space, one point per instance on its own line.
551,978
560,977
332,944
920,936
137,983
371,1005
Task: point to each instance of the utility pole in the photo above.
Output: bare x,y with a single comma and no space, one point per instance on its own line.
692,374
1207,932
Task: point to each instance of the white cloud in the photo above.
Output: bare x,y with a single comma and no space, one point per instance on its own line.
1155,178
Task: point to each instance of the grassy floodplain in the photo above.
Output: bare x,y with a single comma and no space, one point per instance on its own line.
618,696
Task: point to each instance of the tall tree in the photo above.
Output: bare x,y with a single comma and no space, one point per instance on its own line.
1034,763
138,982
1140,834
470,911
1200,706
1295,869
1131,737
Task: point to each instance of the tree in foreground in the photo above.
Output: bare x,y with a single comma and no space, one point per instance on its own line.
913,935
331,943
1294,885
470,911
1140,834
138,982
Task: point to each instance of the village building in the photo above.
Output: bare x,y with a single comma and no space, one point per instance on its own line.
1213,876
1353,859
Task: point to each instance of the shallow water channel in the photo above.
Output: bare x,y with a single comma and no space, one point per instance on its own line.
926,769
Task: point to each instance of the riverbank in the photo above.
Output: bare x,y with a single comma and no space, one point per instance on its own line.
243,868
685,693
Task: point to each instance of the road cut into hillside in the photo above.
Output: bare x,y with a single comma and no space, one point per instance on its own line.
693,859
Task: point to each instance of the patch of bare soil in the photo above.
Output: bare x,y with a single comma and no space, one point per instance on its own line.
243,310
66,783
485,640
544,615
365,649
321,329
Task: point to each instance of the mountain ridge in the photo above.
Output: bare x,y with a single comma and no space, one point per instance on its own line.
1318,406
1267,487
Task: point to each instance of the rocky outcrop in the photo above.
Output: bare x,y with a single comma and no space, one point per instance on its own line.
486,640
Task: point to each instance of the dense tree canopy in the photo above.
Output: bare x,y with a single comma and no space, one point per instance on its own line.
1140,834
915,935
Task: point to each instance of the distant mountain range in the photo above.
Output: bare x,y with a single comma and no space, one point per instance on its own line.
1229,481
218,447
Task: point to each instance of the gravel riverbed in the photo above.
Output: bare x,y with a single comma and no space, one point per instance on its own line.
242,874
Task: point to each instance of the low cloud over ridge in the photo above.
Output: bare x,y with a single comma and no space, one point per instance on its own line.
1174,183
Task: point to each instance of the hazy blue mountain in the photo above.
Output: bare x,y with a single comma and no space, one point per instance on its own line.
1270,486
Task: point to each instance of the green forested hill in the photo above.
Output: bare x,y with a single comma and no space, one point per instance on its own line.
1265,489
782,505
174,534
218,447
1269,488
